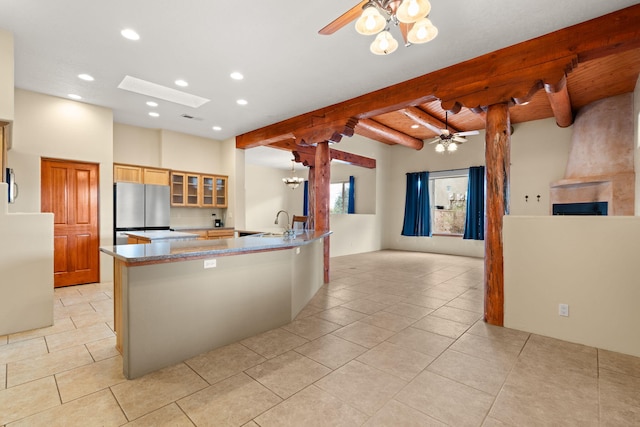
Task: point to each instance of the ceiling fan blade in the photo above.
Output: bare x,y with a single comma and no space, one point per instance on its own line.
459,139
467,133
437,139
343,19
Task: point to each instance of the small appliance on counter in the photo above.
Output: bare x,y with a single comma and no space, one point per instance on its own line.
217,223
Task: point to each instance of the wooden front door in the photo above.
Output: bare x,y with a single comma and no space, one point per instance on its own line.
70,191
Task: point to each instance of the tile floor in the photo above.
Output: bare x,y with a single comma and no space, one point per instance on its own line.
394,340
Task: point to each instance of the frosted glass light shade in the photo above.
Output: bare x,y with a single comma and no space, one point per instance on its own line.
370,22
440,148
422,31
411,11
452,147
384,44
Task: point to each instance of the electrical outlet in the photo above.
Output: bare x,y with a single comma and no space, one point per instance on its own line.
209,263
563,310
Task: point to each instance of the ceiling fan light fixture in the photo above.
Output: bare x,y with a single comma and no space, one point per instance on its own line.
411,11
384,44
371,21
440,148
422,31
452,147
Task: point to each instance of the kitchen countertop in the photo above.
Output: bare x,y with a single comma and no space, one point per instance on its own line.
161,235
205,227
183,250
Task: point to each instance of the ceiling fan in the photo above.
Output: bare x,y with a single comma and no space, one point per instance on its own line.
449,141
375,17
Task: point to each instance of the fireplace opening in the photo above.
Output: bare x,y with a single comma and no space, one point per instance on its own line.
588,208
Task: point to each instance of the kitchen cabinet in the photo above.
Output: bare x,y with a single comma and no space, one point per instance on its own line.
221,191
140,174
208,191
212,234
185,189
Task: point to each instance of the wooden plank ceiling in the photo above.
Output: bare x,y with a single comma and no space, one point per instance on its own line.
599,59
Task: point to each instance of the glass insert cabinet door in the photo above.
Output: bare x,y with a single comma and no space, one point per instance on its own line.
221,192
193,186
177,189
208,188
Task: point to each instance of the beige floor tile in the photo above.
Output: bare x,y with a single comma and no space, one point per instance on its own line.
331,351
616,362
324,301
22,350
619,399
492,422
446,400
273,343
28,399
476,306
457,315
409,310
440,326
385,298
288,373
498,333
169,416
103,306
88,379
361,386
153,391
250,424
387,320
78,336
99,409
60,325
395,414
533,395
396,360
346,294
3,377
89,319
472,371
311,327
48,364
232,402
365,306
83,299
426,301
309,310
310,408
558,357
496,350
103,349
422,341
66,291
62,311
224,362
341,315
363,334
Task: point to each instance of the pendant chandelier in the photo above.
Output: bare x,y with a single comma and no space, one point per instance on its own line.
293,181
378,14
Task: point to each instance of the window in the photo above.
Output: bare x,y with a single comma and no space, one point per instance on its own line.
339,198
448,201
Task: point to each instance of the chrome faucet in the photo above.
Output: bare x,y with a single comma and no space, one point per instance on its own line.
288,231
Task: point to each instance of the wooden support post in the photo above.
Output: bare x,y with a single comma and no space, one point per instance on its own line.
322,184
497,153
311,222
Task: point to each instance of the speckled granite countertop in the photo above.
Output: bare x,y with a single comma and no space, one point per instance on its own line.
204,227
161,235
171,251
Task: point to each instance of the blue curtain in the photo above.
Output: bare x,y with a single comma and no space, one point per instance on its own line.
305,202
474,222
417,214
351,206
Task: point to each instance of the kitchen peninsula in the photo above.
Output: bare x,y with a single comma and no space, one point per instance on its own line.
177,299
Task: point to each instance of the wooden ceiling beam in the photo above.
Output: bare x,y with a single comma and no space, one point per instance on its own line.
560,101
505,75
427,120
389,134
306,156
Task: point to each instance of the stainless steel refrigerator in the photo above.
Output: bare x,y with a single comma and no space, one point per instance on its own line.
139,207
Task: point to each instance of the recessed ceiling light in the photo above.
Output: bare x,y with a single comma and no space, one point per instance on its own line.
415,126
152,104
153,90
86,77
128,33
74,96
216,128
181,83
242,102
236,76
154,114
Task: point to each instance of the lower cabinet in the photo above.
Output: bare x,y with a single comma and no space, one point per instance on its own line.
212,234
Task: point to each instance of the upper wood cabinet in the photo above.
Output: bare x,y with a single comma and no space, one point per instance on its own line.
140,174
198,190
221,191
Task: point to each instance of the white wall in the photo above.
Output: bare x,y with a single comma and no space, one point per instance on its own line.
47,126
587,262
136,145
636,135
6,76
